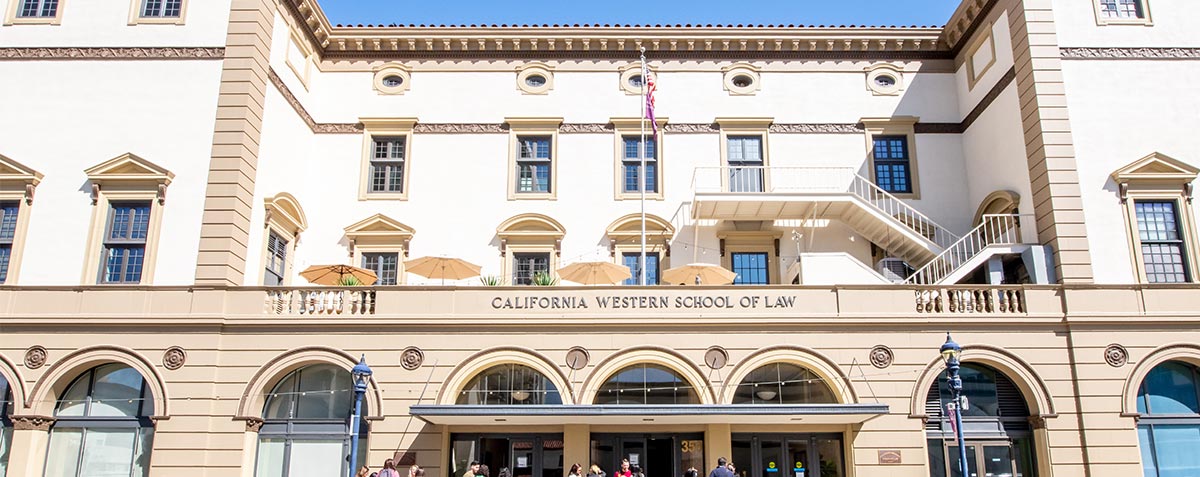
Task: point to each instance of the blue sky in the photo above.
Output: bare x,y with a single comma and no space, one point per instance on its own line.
814,12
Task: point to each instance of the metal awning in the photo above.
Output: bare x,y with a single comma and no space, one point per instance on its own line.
464,414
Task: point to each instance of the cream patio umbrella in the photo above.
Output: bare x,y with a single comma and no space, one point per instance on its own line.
333,274
594,273
698,274
442,267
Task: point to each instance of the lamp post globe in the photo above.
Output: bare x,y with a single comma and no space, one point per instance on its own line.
360,374
950,352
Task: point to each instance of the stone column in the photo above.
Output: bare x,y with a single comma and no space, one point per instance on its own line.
577,446
717,444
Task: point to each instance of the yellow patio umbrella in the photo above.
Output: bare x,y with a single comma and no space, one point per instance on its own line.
333,274
442,267
698,274
594,273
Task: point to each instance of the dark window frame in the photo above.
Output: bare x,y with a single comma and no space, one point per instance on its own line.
37,9
886,163
10,213
381,268
742,278
1147,245
276,258
161,9
388,167
520,278
121,235
529,163
631,164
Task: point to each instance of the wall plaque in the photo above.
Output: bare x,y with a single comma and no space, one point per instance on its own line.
889,457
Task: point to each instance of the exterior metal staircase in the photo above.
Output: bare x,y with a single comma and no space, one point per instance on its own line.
995,234
835,193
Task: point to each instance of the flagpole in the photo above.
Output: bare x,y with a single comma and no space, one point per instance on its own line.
642,169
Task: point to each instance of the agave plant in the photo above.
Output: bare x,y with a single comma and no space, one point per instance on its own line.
544,279
491,280
349,281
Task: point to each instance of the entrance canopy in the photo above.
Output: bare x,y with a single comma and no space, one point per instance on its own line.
480,415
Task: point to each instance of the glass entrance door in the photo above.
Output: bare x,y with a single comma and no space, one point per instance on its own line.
787,455
655,455
530,455
997,459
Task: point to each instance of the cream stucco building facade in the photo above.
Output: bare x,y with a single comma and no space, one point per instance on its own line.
1021,177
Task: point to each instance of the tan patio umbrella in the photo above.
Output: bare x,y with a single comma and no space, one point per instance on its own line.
594,273
333,274
442,267
699,274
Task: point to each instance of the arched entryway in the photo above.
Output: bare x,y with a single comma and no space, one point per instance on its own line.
996,426
306,424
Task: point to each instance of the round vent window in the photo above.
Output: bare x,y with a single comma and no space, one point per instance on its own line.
885,81
743,81
535,81
636,81
393,81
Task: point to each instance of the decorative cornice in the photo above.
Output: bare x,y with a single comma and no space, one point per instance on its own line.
691,128
1085,53
816,128
460,128
963,23
317,128
585,128
32,423
113,53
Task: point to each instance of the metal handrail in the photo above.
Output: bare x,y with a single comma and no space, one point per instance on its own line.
994,229
816,179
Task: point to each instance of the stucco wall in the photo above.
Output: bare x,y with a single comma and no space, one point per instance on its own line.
60,121
1173,26
106,23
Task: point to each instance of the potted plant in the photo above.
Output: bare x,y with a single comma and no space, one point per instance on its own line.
544,279
491,280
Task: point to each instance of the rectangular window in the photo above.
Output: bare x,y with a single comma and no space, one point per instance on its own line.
125,242
387,165
1162,243
533,164
385,266
751,268
631,260
276,259
8,233
745,156
161,8
1122,9
38,9
892,169
526,265
632,162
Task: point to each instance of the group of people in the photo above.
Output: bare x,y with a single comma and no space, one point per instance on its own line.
475,469
724,469
389,470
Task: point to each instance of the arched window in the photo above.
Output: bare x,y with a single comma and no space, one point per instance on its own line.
306,424
1169,428
646,384
995,426
783,383
509,384
5,426
103,425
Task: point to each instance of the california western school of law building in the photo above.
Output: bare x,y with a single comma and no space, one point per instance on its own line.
1022,178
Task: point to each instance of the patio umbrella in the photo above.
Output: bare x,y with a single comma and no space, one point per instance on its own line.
594,273
333,274
699,274
442,267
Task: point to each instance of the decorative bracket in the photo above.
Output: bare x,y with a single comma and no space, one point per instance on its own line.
612,248
1123,190
406,241
722,247
95,193
667,249
558,248
29,188
1188,188
776,248
162,194
503,247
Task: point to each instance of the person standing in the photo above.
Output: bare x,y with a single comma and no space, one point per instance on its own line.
471,469
483,471
595,471
722,469
576,471
625,470
389,469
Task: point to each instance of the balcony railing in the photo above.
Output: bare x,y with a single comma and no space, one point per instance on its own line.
818,180
320,301
993,229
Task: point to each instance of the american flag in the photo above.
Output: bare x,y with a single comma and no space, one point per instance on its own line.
650,87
